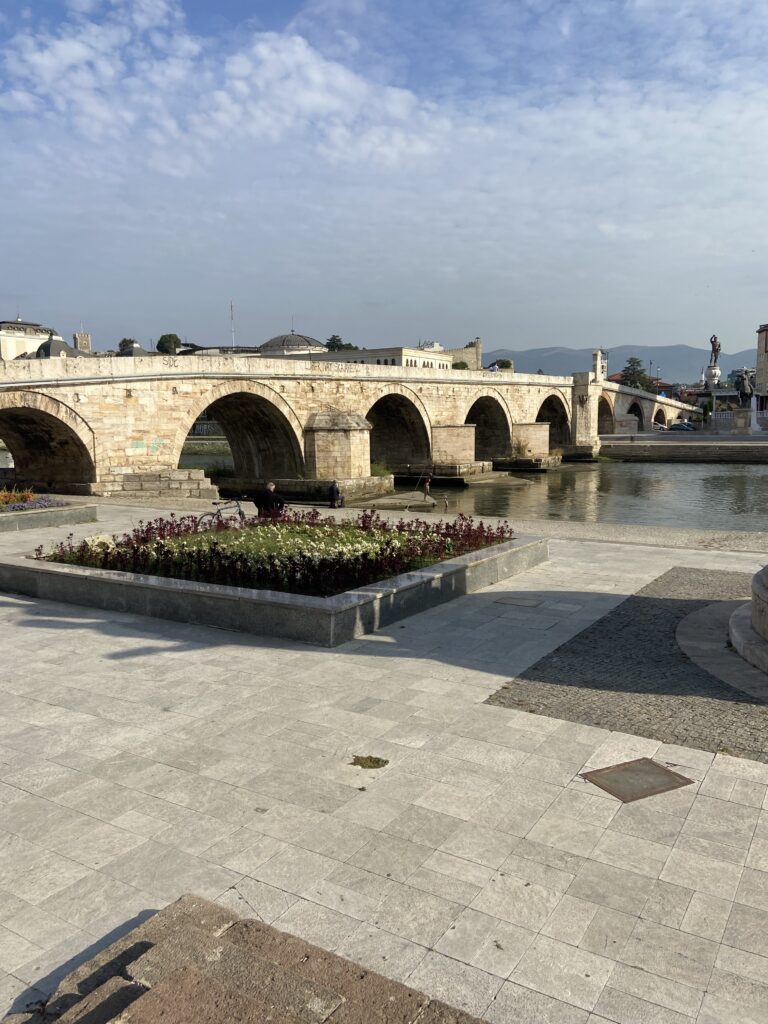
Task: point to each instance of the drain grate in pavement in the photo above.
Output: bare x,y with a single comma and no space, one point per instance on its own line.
636,780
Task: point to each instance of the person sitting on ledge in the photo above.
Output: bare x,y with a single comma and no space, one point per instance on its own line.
268,502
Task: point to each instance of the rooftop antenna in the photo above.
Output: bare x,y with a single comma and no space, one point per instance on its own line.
232,320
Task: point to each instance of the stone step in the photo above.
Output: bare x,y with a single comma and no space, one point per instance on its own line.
104,1004
189,912
188,997
281,994
369,997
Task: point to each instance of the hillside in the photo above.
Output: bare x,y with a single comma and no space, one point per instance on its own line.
676,363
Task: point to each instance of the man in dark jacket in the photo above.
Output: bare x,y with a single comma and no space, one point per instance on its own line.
333,495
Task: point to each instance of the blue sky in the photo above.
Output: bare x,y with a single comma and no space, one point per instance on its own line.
536,172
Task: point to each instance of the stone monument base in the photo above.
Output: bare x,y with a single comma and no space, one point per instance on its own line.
748,625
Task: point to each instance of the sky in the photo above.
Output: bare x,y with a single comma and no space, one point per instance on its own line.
533,172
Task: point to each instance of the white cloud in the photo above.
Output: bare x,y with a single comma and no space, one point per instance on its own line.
380,163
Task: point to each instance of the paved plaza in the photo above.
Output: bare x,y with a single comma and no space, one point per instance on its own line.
142,759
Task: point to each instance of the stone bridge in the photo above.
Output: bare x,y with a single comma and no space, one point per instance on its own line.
113,424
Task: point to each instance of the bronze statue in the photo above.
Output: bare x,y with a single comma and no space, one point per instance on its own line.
715,350
745,390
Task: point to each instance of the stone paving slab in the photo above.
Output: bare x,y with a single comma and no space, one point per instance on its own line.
225,760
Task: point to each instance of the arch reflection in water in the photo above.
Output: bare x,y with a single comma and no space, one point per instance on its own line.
703,497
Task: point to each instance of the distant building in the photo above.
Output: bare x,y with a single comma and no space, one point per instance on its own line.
761,368
290,345
136,350
82,342
56,348
431,356
23,338
417,357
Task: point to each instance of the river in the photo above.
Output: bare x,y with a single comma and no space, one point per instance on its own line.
692,495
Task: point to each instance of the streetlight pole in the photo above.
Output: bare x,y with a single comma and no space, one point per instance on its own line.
658,379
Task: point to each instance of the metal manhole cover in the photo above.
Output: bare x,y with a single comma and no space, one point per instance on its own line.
635,780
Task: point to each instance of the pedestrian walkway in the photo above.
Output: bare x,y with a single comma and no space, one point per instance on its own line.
142,759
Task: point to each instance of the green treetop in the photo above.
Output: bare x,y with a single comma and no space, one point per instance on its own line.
335,344
634,375
168,344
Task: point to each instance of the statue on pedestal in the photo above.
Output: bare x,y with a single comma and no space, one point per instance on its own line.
715,350
745,390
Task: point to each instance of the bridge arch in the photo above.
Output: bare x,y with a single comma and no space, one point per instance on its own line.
606,422
554,411
493,428
660,417
263,432
53,448
636,409
400,431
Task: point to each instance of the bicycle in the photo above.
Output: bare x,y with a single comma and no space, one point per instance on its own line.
222,514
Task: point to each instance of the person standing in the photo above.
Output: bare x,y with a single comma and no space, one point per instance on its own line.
334,495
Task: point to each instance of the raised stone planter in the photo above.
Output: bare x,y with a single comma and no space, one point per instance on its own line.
748,626
37,518
327,621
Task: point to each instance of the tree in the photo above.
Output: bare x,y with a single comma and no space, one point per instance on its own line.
168,344
126,346
504,364
461,365
634,376
335,344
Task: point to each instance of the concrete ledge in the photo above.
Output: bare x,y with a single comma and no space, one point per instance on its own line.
760,603
746,640
328,621
37,518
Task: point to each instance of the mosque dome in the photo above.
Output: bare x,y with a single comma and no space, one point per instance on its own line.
290,344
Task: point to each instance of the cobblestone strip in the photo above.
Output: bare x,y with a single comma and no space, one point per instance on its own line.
626,672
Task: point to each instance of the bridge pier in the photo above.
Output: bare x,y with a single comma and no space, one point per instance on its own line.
337,446
454,450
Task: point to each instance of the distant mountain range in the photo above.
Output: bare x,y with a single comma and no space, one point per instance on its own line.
675,364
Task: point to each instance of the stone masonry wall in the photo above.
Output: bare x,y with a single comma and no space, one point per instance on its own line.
132,415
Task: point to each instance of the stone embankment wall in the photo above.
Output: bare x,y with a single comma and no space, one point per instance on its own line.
680,451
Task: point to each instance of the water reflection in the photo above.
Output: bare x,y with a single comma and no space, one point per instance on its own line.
672,494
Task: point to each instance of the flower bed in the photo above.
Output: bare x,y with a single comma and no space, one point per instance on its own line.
300,553
23,501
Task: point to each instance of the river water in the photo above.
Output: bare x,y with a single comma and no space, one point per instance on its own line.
692,495
695,496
